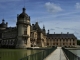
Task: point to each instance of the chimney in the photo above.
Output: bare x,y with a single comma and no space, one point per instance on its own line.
48,31
61,32
67,32
54,32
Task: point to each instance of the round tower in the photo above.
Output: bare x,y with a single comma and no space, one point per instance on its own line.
23,30
3,25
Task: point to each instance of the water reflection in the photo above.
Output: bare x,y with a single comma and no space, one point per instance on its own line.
15,54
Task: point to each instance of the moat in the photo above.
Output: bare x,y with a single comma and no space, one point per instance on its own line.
15,54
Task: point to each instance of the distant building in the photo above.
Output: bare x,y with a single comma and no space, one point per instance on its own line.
26,35
61,40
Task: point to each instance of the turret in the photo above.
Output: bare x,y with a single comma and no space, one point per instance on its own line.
48,31
23,29
44,29
3,21
3,25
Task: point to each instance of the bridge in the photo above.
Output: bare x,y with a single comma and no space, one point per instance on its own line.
54,53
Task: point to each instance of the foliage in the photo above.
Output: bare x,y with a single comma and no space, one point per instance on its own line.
78,42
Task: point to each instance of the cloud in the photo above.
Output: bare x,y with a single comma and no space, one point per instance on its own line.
68,29
51,7
51,29
58,27
77,5
77,33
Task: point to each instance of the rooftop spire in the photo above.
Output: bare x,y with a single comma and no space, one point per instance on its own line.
43,27
3,20
48,31
24,10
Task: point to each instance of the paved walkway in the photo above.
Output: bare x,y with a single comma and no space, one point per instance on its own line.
56,55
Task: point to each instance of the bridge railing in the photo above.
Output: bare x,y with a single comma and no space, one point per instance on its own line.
70,55
40,55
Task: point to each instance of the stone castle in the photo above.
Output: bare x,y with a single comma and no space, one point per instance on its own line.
25,35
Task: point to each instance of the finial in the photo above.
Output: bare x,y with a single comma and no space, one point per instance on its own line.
67,32
3,20
48,31
54,32
61,32
24,10
43,26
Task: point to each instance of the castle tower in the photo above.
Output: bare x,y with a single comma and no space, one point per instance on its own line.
23,30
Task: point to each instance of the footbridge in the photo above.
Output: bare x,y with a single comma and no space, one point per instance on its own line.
55,53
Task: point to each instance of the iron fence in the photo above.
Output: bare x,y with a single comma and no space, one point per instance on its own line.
40,55
70,55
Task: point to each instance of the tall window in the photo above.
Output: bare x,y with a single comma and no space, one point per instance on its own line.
25,40
73,43
25,30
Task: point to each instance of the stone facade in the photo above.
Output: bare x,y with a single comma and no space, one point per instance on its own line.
61,40
25,34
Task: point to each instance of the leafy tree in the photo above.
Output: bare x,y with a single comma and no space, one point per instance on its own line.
78,42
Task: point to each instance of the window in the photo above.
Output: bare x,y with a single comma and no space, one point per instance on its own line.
73,40
63,43
53,43
60,40
11,41
56,43
73,43
70,43
47,43
25,40
25,30
57,40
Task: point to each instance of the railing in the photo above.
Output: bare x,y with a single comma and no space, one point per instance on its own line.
70,55
40,55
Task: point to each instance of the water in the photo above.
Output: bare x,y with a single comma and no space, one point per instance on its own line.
15,54
77,52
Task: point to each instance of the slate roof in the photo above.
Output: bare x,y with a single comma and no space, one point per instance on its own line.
10,29
61,35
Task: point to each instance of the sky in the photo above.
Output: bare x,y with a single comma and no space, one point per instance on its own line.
57,15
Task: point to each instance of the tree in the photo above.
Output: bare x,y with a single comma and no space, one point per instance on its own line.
78,42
